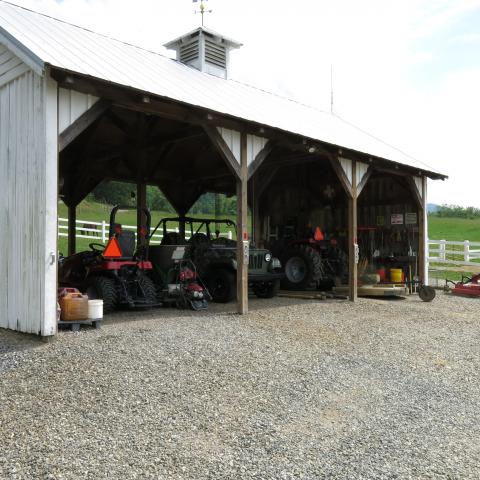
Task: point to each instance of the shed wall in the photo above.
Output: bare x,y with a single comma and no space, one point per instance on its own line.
28,199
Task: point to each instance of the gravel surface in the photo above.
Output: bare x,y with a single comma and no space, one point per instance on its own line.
296,389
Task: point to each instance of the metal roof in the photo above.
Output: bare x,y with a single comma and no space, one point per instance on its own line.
54,42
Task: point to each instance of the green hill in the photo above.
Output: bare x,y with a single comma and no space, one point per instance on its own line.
454,229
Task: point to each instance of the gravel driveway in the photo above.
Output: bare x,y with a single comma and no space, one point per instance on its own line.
296,389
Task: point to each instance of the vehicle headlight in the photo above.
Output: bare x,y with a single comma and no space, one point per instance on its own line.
268,257
276,263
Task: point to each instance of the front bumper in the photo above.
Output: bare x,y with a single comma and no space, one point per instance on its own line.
264,277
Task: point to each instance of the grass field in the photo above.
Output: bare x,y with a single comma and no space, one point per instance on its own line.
454,229
97,212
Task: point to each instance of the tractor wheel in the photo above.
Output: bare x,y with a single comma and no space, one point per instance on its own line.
221,285
266,289
103,288
426,293
303,268
148,289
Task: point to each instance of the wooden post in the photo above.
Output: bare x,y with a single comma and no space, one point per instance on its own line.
72,223
242,230
141,203
352,237
423,235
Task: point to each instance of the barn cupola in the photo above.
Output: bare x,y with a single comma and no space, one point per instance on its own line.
204,50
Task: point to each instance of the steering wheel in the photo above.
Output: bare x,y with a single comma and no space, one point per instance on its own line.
96,250
199,238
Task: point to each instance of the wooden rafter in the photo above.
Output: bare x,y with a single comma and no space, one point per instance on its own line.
223,149
260,158
82,123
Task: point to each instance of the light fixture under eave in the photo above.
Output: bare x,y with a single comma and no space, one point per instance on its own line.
312,149
146,99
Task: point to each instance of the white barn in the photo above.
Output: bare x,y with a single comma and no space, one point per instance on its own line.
52,75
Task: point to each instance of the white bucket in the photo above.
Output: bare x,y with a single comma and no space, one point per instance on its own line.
95,309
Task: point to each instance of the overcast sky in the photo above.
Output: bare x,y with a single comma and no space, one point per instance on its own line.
407,71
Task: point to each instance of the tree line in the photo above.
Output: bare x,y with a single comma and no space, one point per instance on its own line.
456,211
115,193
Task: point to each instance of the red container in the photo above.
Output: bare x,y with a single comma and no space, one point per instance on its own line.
382,273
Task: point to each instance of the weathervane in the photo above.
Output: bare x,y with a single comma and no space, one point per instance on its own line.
202,10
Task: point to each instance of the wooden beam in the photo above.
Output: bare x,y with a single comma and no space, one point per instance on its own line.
242,230
82,123
414,189
347,186
260,158
352,239
423,235
72,218
223,149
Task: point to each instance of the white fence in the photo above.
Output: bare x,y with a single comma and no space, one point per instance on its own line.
99,231
455,253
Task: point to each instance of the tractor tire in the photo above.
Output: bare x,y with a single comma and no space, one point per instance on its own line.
221,285
266,289
303,268
103,288
148,288
426,293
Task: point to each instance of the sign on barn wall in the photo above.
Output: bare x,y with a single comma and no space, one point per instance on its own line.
396,219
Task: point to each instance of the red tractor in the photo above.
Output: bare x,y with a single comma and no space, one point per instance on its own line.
116,273
310,262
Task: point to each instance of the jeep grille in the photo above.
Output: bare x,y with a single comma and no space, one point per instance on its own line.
255,260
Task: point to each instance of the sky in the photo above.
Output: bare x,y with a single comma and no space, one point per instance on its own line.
406,71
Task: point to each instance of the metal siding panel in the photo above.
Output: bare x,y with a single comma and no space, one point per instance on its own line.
88,53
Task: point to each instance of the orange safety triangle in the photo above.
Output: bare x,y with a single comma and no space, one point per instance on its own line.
318,235
112,250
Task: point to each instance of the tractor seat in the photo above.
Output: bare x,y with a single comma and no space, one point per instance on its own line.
127,243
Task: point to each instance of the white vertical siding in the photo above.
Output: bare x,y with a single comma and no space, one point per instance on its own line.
11,66
362,169
254,146
28,201
232,139
346,165
71,105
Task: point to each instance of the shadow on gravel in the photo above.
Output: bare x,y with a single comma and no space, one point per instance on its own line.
216,309
18,342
